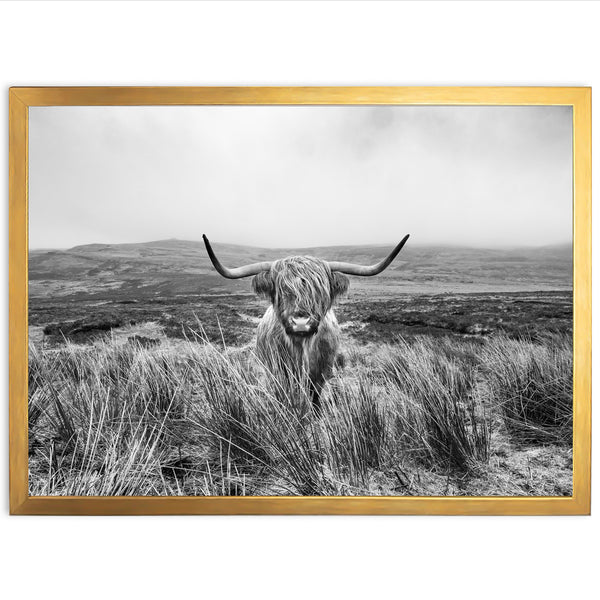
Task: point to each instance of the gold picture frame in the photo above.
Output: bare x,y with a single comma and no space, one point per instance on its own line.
21,98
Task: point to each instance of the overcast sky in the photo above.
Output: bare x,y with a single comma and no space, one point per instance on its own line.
300,176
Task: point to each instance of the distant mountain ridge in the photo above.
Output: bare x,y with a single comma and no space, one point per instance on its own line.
176,265
178,243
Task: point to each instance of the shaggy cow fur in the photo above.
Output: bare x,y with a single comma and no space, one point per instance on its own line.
305,286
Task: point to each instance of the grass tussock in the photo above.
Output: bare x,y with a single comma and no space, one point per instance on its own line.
189,418
438,409
533,385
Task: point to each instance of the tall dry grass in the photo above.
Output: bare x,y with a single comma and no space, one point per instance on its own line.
532,383
190,418
438,409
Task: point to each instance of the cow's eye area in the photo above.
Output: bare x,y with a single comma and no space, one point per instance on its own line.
284,301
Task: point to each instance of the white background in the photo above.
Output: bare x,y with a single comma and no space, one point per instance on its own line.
313,43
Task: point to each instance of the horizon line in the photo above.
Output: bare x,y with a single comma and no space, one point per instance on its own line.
373,244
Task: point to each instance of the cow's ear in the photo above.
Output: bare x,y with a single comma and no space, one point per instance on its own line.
263,285
339,284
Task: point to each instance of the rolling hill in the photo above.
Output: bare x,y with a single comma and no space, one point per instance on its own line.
171,267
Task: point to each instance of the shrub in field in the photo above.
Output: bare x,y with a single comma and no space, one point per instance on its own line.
264,427
533,384
354,426
35,379
439,416
227,415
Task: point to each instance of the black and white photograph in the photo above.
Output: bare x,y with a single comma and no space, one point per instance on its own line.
340,300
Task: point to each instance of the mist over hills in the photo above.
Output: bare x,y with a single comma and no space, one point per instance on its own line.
179,267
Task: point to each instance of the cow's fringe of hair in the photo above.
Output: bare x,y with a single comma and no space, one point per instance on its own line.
305,280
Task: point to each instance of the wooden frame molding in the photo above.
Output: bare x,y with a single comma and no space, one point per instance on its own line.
20,99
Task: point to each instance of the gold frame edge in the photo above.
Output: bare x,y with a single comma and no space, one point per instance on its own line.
21,98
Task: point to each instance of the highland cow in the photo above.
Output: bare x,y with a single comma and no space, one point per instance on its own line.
299,336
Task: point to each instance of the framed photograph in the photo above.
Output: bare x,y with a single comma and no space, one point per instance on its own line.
300,300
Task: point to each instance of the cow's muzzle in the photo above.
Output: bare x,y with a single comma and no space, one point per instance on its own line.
301,326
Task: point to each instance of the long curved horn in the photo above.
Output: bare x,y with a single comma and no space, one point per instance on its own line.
239,272
368,271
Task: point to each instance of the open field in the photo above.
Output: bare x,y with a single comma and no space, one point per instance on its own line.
232,318
143,378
